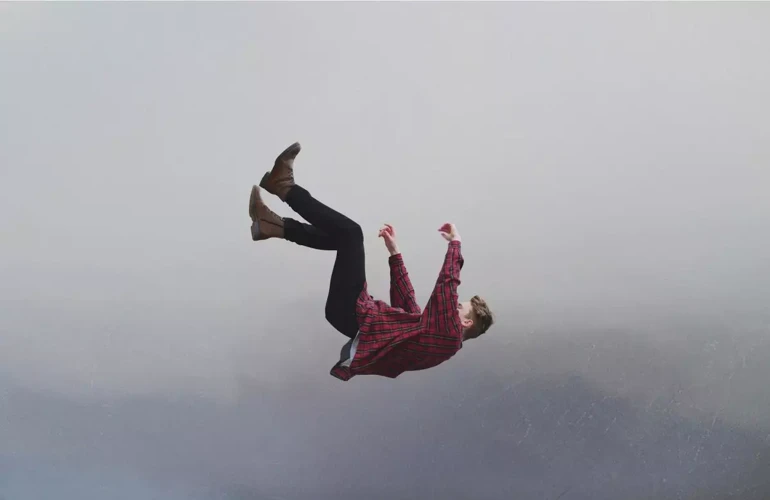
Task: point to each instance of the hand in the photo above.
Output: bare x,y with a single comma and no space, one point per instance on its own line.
388,234
449,232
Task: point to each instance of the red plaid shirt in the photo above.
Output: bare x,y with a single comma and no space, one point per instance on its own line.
398,337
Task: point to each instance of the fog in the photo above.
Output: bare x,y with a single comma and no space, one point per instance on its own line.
606,165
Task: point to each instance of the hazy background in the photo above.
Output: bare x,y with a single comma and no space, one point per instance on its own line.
606,164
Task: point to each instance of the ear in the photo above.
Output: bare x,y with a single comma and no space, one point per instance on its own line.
466,322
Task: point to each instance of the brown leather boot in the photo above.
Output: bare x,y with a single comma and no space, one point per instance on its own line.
265,223
281,178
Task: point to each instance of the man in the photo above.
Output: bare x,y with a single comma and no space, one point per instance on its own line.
385,339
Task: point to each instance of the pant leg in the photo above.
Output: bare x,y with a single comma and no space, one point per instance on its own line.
347,282
307,235
326,219
349,273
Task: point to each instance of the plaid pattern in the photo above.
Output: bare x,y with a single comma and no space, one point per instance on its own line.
396,338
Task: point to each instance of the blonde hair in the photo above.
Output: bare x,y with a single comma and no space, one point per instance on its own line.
481,315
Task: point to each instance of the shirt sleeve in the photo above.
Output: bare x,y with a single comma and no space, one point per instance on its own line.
401,290
441,314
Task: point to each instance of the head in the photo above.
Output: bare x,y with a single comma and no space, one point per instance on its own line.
475,316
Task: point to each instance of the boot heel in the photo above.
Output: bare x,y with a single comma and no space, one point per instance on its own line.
264,183
255,230
253,203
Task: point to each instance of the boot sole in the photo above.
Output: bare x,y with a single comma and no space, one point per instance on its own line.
253,203
255,233
253,200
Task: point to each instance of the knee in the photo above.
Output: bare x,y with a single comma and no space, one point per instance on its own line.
331,315
353,232
344,322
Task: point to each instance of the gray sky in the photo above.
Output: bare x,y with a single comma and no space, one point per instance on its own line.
606,165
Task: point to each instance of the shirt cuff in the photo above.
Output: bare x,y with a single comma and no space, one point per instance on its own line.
395,258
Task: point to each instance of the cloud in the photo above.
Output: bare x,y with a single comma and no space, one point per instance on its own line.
521,425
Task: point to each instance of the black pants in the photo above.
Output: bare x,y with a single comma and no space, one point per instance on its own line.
330,230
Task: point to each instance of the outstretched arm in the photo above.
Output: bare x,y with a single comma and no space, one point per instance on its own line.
401,290
441,315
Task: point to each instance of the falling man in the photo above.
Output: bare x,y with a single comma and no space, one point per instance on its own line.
385,339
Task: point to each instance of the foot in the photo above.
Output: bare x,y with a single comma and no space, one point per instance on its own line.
265,223
281,178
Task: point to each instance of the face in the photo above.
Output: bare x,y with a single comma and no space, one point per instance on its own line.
464,310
